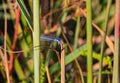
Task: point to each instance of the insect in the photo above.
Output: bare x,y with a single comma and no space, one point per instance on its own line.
46,38
58,40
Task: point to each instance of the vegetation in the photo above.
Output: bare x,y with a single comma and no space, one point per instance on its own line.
88,52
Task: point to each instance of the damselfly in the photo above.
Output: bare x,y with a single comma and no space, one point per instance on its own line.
43,44
58,40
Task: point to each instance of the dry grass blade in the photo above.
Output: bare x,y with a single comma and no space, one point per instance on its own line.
62,63
5,53
48,74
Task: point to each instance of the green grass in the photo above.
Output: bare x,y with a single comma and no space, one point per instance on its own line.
85,27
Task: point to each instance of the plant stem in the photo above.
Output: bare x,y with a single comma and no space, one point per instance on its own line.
62,63
75,44
89,43
36,40
117,44
5,42
103,42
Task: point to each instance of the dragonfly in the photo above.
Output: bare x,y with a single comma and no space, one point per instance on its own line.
58,40
43,37
55,39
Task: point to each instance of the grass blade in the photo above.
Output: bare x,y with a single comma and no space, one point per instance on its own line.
68,58
103,42
25,13
76,42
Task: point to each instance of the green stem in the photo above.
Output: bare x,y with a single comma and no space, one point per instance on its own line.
117,44
89,43
103,42
75,45
36,40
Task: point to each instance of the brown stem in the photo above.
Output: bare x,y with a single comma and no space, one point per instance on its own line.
17,11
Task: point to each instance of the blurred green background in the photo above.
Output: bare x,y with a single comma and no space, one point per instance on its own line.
64,19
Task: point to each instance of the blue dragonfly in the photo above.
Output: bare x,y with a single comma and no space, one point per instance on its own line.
58,40
46,38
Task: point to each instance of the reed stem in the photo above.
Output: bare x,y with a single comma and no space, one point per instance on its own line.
36,40
89,43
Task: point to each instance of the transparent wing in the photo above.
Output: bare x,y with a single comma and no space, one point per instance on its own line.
45,43
58,40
